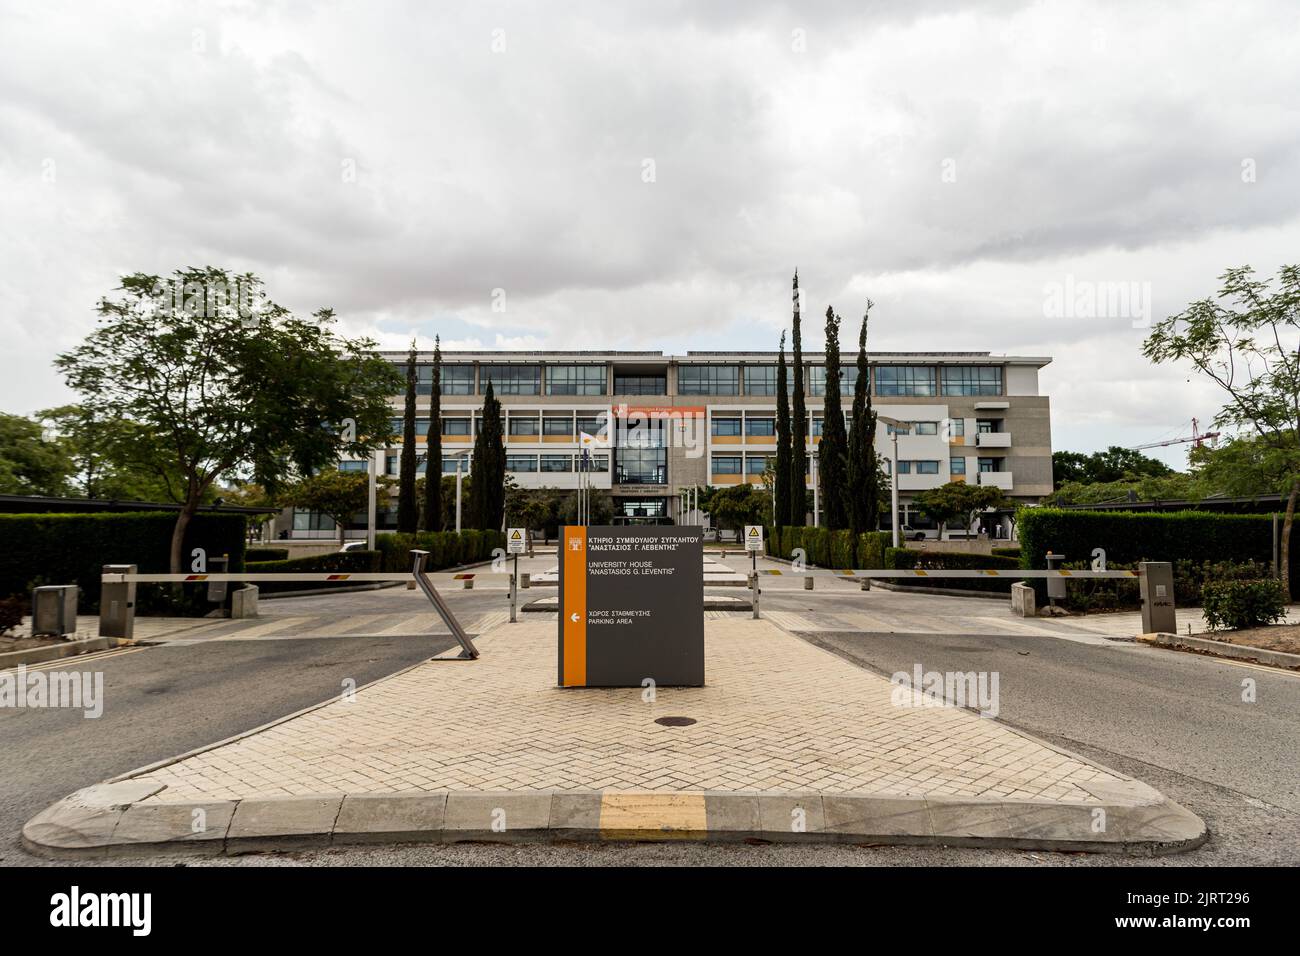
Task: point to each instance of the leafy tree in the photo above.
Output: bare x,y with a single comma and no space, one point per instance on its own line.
1113,464
1168,488
799,424
862,485
781,480
1245,341
833,449
29,463
222,381
958,501
408,512
601,503
433,447
732,507
487,497
98,451
339,494
1241,467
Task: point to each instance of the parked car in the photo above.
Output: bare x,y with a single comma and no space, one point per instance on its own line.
916,534
352,546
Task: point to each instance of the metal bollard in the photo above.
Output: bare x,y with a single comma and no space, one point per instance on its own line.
808,583
525,580
469,584
866,584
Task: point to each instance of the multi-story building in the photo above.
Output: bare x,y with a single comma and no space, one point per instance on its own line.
674,422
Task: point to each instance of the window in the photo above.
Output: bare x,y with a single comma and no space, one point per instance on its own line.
594,463
971,379
927,468
455,426
956,466
557,426
816,427
708,380
990,464
312,521
592,425
817,379
642,466
521,463
522,426
575,380
354,466
755,464
555,463
904,380
903,428
393,465
640,384
726,464
456,380
760,427
726,427
904,467
449,464
510,379
760,379
925,428
986,426
956,427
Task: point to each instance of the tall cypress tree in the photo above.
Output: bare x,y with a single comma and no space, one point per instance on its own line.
798,426
433,447
781,509
487,493
864,465
832,450
407,510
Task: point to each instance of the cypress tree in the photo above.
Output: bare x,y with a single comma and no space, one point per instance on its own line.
433,447
864,465
832,450
781,509
487,489
798,426
407,510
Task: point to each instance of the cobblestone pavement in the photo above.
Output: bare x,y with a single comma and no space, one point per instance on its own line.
778,715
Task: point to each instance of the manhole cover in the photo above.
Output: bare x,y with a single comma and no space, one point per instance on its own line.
675,721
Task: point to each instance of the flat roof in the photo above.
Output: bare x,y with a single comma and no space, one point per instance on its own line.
702,357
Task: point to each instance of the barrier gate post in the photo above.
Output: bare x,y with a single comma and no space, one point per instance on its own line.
117,604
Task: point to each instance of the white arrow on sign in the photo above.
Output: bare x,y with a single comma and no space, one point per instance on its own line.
574,617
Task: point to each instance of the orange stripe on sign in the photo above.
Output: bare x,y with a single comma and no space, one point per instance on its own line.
196,577
573,614
338,577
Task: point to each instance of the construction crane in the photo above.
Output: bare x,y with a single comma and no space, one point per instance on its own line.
1197,436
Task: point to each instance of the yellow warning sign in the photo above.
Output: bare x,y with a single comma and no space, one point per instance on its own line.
515,541
753,537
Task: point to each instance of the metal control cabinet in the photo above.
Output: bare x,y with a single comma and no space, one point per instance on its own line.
54,610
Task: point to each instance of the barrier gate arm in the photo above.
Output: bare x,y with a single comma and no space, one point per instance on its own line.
468,650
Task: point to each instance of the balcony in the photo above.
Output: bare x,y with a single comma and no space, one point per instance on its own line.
996,479
993,440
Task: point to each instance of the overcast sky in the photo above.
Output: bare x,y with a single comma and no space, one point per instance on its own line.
648,175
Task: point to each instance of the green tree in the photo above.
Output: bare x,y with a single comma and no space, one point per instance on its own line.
433,447
341,495
1245,340
781,480
487,497
862,485
833,449
731,507
1113,464
218,380
957,501
31,463
408,511
798,424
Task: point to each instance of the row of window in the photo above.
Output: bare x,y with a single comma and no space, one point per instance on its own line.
551,464
956,466
509,379
739,464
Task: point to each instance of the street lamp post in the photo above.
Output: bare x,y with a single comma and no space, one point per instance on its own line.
895,426
460,461
812,459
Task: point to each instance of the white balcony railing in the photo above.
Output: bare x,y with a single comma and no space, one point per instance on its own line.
993,440
997,479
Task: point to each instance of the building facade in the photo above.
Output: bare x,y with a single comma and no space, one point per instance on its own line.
673,422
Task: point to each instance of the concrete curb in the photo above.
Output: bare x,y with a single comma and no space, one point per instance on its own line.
57,652
112,821
1239,652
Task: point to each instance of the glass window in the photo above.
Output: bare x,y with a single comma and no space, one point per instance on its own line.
523,426
641,466
510,379
594,463
592,424
354,466
971,379
986,426
449,464
575,380
521,463
956,466
956,427
554,463
755,464
904,380
816,427
990,464
905,428
708,380
927,468
760,427
904,467
726,464
925,428
312,521
455,426
726,426
456,380
557,426
640,384
760,379
817,379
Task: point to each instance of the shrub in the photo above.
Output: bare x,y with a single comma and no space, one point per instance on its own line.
1233,605
871,549
73,549
903,559
1006,552
817,546
842,551
12,610
341,561
266,554
446,548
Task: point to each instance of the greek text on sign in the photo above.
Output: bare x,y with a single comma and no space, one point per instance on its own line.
753,537
516,539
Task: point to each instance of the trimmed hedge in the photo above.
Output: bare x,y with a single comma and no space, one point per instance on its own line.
1240,604
266,554
42,549
446,549
829,549
341,561
1006,552
902,559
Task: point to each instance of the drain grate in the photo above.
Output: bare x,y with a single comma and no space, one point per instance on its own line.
675,721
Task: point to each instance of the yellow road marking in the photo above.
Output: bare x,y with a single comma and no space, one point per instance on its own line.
79,658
